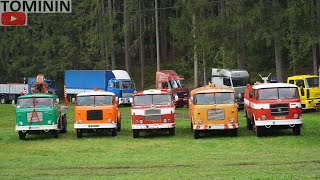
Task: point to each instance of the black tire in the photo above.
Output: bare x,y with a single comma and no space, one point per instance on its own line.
55,133
22,136
191,126
64,124
114,132
172,131
196,134
79,133
135,133
233,132
249,124
2,100
296,130
259,131
118,125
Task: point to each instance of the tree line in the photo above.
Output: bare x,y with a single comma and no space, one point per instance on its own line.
262,36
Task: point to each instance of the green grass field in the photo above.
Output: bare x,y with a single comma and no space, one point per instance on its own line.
214,156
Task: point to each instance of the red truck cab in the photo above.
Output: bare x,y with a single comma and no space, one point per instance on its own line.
272,106
169,79
153,109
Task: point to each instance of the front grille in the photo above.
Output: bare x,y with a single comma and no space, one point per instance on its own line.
279,109
34,117
94,115
215,114
182,95
153,117
148,112
127,94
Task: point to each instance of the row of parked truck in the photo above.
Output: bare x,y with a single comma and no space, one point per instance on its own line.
266,105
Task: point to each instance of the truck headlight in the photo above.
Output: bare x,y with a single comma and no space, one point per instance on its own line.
109,120
240,95
200,122
141,121
20,123
231,120
169,120
80,121
49,122
295,116
263,117
164,120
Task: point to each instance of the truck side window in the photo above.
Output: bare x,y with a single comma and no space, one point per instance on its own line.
159,85
116,85
300,83
111,84
226,82
164,85
291,81
251,94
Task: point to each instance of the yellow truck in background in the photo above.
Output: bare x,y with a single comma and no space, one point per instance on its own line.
309,90
213,108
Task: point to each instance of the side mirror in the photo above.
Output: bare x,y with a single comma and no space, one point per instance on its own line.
131,100
73,100
176,98
57,100
117,99
13,102
191,99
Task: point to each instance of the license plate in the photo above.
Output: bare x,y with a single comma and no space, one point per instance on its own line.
94,125
280,117
31,127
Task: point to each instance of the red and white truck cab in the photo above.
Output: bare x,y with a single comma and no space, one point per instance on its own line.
273,106
169,79
153,109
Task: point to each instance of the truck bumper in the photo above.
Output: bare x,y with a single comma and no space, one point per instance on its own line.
154,126
216,126
37,128
290,122
312,104
95,126
125,100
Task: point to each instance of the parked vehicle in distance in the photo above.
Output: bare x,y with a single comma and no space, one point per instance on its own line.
115,81
237,79
272,106
213,108
96,111
309,90
169,79
11,91
153,110
40,113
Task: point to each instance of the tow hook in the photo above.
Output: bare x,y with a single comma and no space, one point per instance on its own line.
292,125
268,126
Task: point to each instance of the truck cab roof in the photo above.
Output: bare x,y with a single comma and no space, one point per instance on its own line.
37,95
96,93
302,76
273,85
153,91
210,89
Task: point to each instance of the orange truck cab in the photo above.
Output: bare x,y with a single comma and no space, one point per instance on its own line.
272,106
153,110
213,108
169,79
96,111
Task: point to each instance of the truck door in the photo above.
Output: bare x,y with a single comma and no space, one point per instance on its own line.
114,86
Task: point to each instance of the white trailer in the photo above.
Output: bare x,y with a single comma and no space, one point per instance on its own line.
237,79
11,91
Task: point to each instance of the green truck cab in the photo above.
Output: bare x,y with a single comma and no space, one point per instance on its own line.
40,113
309,90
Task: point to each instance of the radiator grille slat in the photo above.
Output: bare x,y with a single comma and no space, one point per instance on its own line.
279,109
152,114
34,118
94,115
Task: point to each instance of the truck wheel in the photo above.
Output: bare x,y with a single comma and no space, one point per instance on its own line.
22,135
259,131
79,133
249,125
114,132
135,133
196,134
172,131
296,130
233,132
64,124
2,100
118,126
55,133
191,126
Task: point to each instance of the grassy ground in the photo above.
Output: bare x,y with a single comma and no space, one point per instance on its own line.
214,156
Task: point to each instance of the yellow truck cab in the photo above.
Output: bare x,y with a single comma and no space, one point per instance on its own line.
213,108
309,90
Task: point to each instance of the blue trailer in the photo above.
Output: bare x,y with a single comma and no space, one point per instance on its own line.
116,81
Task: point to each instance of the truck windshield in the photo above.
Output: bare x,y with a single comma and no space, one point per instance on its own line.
312,82
94,100
182,83
39,102
127,85
243,81
156,99
214,98
277,93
